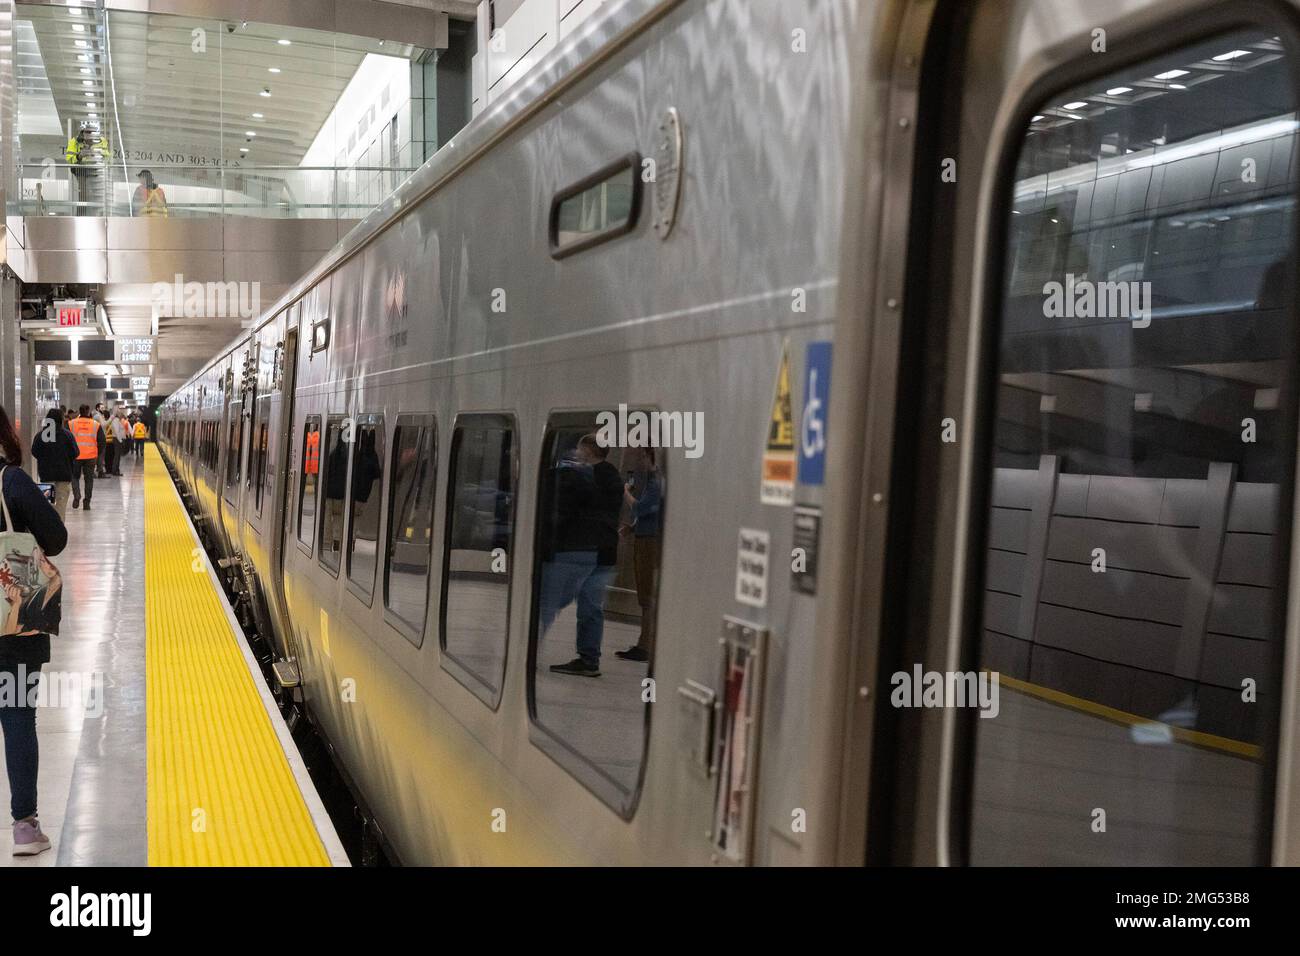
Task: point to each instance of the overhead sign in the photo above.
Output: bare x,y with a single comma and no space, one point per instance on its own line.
135,349
70,313
141,382
141,397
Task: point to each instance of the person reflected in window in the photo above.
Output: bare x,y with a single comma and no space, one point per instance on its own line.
581,549
336,486
643,495
149,199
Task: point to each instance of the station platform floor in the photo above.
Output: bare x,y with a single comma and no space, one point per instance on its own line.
159,741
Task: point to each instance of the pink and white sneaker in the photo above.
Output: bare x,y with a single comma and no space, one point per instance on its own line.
28,838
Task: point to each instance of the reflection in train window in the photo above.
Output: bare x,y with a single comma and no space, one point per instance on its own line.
600,207
308,480
234,443
1141,465
410,522
260,438
477,560
595,590
366,501
334,487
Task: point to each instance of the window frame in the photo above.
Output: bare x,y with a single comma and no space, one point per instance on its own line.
990,270
447,661
339,420
308,546
630,161
359,590
408,630
236,424
609,791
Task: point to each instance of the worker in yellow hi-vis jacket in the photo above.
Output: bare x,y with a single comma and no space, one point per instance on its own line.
85,153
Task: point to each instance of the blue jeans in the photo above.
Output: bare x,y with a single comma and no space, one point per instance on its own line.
22,755
576,575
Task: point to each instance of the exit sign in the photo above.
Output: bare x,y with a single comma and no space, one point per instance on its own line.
70,314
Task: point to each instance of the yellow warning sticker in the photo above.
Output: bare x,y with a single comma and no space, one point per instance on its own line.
777,486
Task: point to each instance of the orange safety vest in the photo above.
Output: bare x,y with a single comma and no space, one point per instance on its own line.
312,465
140,430
84,429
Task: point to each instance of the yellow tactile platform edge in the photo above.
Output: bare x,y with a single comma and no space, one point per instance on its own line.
220,791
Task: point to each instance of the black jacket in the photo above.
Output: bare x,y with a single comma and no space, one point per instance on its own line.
586,501
54,458
33,513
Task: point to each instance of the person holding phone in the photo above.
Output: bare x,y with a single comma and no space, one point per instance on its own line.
55,451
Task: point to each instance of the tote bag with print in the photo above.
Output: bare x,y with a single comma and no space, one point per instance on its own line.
31,590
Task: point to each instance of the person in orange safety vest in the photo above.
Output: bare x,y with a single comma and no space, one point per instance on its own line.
90,445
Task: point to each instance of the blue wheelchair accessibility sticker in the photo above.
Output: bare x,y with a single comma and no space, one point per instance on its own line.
812,425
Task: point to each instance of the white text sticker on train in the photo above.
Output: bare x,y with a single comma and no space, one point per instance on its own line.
778,454
751,567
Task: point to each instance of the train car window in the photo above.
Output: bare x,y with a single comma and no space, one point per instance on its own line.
366,501
410,522
260,439
477,556
595,591
1141,468
596,209
234,445
334,487
307,481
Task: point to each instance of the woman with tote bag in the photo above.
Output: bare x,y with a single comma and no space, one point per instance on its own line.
30,607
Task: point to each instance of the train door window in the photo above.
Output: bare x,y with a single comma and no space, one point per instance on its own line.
410,523
365,502
477,557
1141,466
334,487
308,480
260,439
595,589
234,445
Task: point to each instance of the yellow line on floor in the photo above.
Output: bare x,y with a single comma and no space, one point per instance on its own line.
220,791
1197,738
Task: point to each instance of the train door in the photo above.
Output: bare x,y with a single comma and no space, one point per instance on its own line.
1088,651
281,492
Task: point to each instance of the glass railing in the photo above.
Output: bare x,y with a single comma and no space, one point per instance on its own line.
196,192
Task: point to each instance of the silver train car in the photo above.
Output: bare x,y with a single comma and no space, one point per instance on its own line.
963,336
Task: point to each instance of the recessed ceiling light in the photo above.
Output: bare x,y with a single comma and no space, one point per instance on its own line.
272,69
92,115
1118,90
1076,105
284,42
85,69
265,93
80,44
1177,86
78,28
1231,55
83,58
87,82
1036,118
91,95
1171,74
243,149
